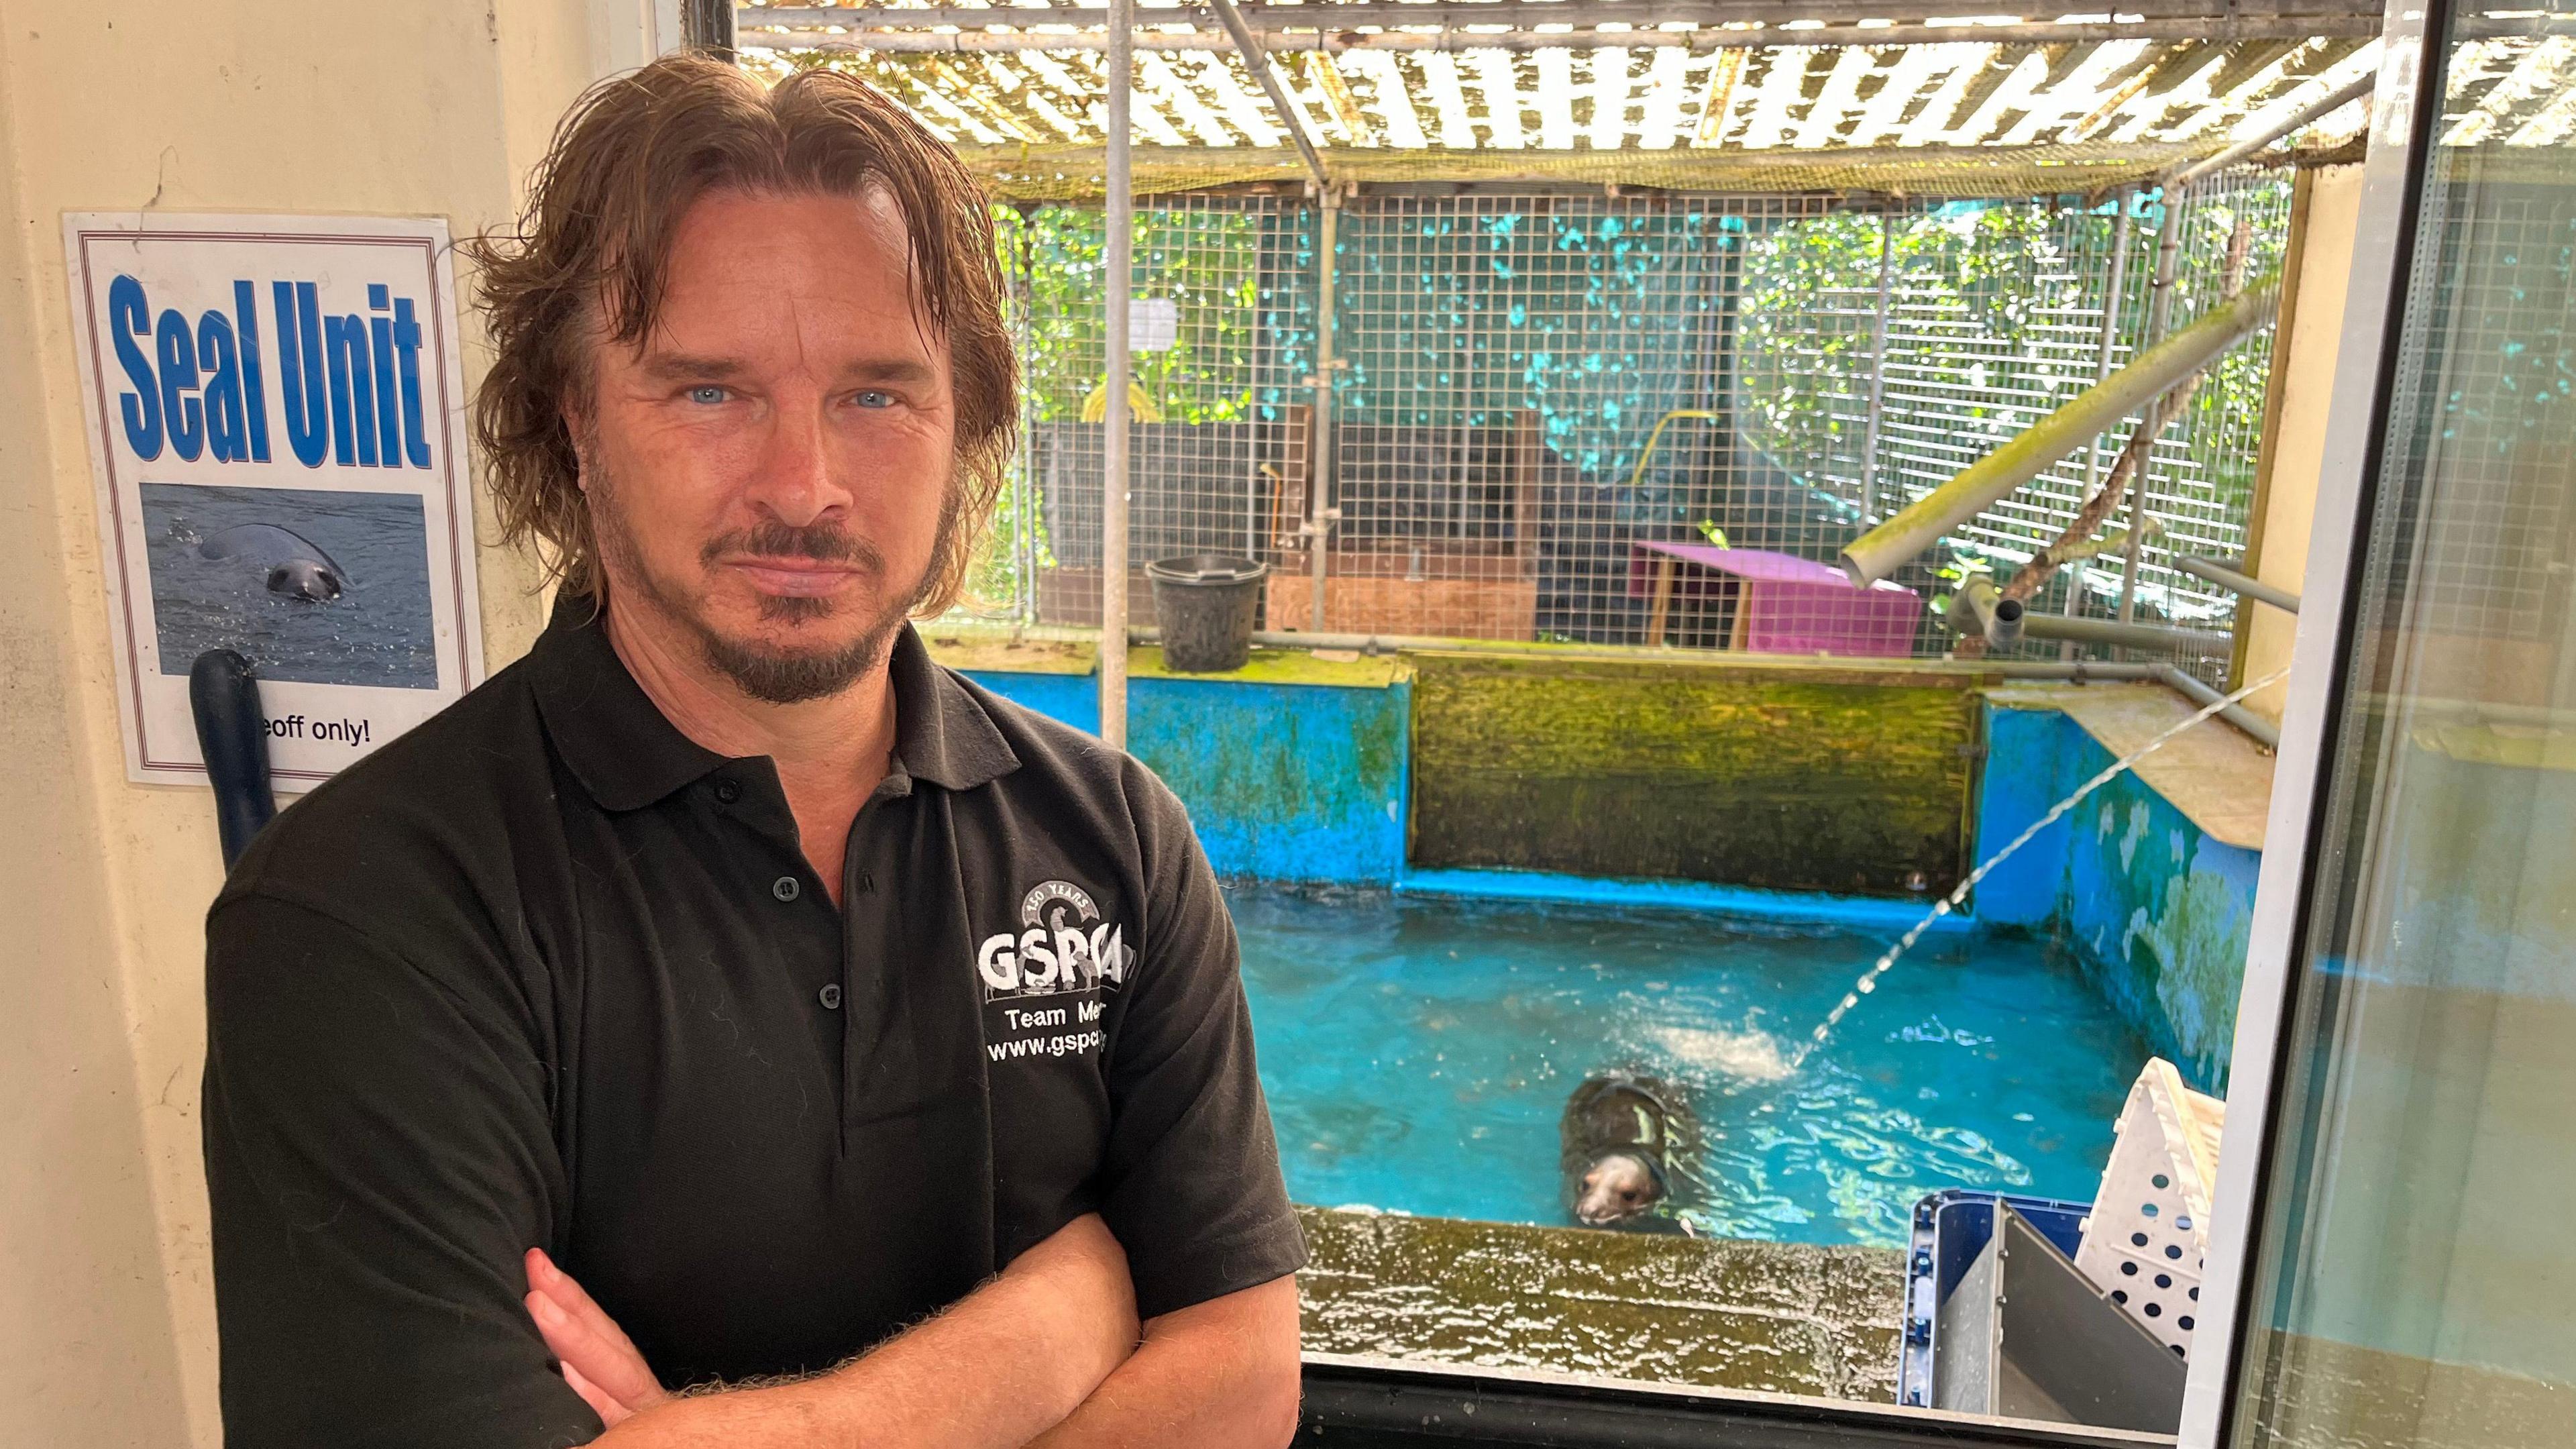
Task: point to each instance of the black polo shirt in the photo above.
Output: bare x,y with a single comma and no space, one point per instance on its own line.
545,973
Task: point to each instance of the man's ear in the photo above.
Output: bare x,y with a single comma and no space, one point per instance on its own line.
576,425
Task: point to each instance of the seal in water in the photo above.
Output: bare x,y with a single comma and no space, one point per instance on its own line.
1623,1136
297,566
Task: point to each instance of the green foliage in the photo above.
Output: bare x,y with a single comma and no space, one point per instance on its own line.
1970,289
1802,367
1993,306
993,581
1205,262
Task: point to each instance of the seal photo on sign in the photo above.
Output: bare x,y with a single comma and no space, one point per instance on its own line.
297,566
1625,1138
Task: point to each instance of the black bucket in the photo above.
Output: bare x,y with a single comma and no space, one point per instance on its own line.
1205,603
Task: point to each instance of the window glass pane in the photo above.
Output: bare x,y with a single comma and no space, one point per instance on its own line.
2417,1281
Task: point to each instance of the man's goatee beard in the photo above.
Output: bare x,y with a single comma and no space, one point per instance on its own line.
774,676
792,678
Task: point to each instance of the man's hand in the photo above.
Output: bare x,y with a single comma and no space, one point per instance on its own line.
1070,1292
595,1355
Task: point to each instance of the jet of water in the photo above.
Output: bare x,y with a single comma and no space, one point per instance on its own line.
1869,979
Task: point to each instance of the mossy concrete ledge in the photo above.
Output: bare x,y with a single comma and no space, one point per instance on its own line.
1778,1318
1782,775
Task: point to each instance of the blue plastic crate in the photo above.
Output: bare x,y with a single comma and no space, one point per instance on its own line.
1950,1229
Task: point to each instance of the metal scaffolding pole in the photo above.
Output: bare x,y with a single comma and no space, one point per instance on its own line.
1341,41
2120,233
1320,514
2307,115
1117,261
1877,375
1291,120
2218,20
2159,312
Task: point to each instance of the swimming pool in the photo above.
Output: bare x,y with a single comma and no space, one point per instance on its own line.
1417,1052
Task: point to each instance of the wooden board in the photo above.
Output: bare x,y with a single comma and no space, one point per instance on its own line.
1450,608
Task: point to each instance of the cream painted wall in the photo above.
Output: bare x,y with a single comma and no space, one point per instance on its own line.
86,1348
417,107
2298,456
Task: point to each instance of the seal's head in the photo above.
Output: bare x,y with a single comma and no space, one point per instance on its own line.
1617,1187
310,580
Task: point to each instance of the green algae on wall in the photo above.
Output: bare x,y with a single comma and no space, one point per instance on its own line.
2157,909
1781,776
1778,1318
2200,940
2161,914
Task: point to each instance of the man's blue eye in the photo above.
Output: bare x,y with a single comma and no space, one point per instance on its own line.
874,399
708,395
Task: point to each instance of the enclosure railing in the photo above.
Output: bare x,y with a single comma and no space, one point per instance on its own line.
1504,358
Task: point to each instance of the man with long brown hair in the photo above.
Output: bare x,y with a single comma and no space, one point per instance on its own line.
726,1026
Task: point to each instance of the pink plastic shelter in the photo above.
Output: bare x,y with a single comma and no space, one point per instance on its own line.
1784,604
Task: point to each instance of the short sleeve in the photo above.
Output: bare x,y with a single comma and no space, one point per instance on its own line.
379,1155
1191,1184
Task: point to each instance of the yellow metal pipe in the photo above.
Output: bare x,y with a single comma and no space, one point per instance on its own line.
2153,373
1646,455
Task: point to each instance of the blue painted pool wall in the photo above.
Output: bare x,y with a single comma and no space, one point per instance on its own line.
1072,699
1284,782
2025,771
2158,913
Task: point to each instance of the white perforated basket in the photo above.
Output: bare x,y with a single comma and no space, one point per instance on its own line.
2149,1227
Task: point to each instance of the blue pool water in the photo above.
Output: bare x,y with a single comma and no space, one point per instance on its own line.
1417,1053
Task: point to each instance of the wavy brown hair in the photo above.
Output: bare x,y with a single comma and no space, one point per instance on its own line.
588,259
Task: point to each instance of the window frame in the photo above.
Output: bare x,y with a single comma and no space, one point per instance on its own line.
2412,66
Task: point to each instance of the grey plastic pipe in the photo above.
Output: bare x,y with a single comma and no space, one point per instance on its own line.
2228,576
1980,609
2256,728
2154,638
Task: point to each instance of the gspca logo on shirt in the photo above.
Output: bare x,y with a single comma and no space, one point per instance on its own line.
1062,945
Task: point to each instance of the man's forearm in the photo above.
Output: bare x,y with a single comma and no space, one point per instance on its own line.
1222,1375
908,1392
943,1383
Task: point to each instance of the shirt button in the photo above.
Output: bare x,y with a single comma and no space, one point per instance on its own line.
728,791
785,888
830,996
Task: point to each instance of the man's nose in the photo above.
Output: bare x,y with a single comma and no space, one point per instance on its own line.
794,479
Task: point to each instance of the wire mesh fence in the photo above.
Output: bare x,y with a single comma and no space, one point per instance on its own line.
1570,416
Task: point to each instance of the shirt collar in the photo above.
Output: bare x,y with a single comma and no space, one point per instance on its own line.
942,732
623,750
